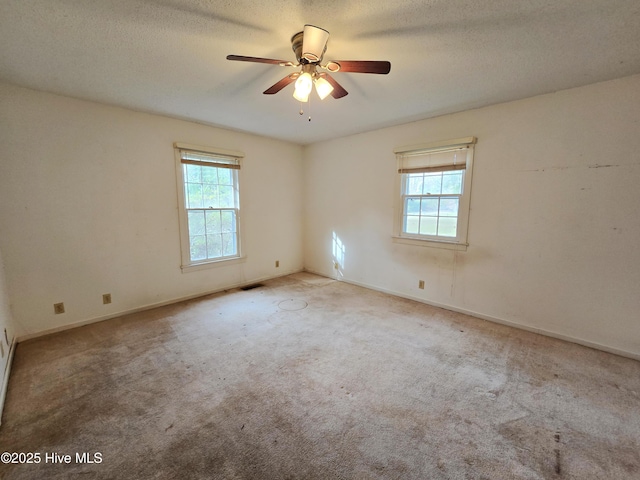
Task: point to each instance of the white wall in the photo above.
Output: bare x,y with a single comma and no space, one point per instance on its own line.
554,227
88,205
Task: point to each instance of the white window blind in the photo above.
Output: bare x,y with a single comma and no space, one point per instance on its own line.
434,156
195,155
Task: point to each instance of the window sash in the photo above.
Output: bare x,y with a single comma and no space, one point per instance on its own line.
226,194
209,237
436,216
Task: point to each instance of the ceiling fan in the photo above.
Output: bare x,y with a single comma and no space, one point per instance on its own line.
309,47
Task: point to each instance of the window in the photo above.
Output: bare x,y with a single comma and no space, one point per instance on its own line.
210,208
435,185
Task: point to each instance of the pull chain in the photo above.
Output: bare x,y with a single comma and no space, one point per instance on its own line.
301,112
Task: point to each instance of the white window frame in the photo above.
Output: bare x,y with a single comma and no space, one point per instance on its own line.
226,157
417,158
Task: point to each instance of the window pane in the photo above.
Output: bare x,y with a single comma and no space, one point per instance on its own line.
432,183
452,183
447,226
429,206
226,197
193,173
229,244
210,175
414,184
209,195
196,223
428,225
228,221
214,246
449,207
225,176
198,250
213,224
412,206
194,195
411,224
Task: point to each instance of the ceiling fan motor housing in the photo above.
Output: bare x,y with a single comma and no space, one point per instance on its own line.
296,45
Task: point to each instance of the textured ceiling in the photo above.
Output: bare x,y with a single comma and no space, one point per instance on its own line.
168,56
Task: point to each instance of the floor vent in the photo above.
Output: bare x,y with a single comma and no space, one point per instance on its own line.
251,287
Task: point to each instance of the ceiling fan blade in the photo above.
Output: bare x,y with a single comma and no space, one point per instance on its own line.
338,91
271,61
363,66
276,87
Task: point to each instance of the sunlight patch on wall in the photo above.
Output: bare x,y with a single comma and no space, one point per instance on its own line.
338,251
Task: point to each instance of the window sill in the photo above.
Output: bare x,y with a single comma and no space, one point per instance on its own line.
431,243
212,264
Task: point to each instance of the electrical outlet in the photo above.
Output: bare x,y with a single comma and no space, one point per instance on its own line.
58,308
277,263
336,265
106,298
421,284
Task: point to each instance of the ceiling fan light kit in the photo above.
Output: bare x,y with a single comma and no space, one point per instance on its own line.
309,47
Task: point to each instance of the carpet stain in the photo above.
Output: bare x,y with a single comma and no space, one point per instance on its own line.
557,452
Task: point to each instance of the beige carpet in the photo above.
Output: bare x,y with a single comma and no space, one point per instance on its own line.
309,378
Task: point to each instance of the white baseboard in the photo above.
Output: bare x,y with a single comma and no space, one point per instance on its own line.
151,306
5,381
490,318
